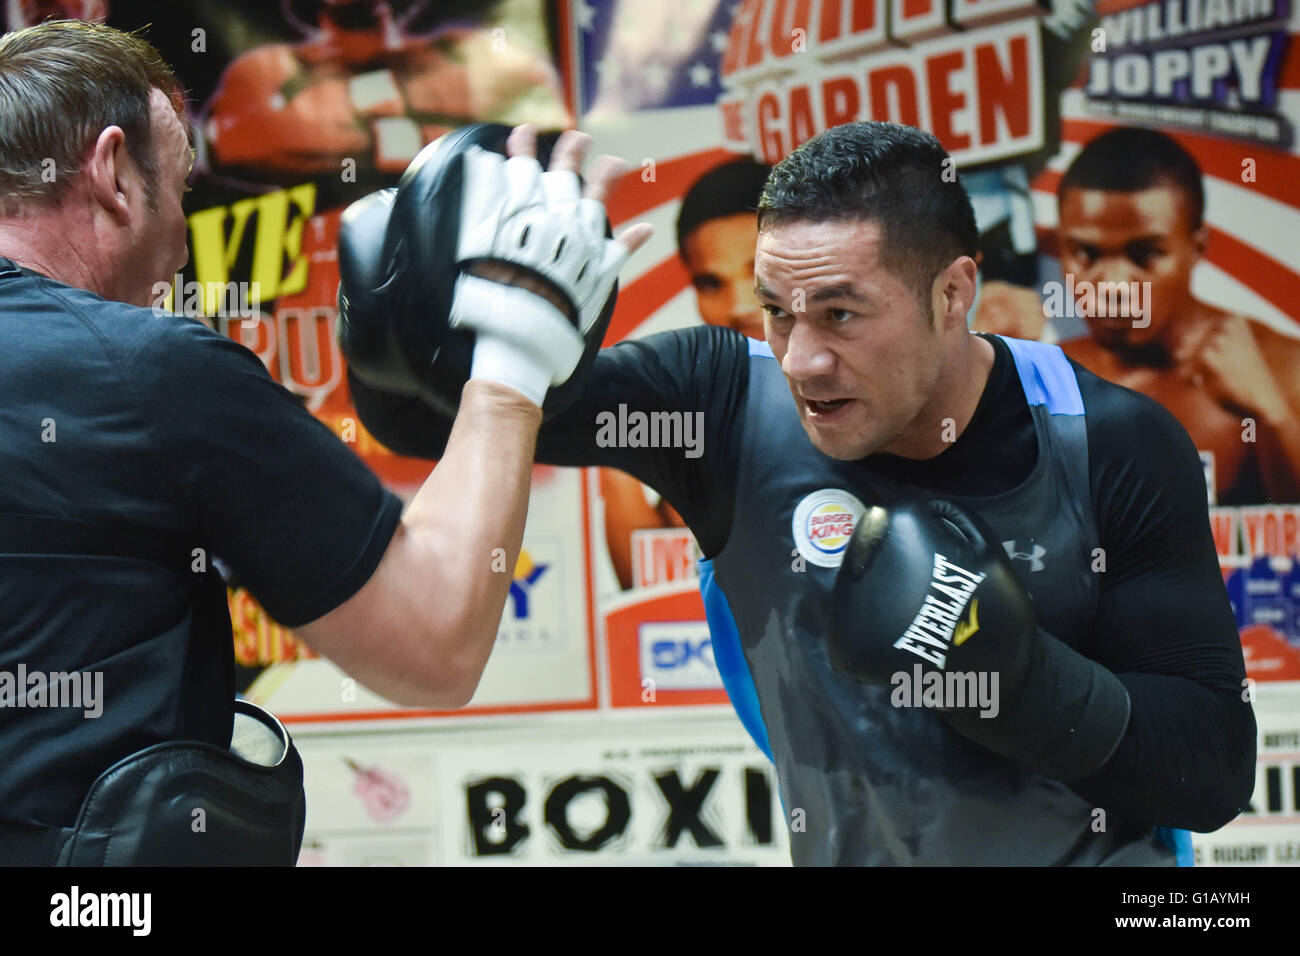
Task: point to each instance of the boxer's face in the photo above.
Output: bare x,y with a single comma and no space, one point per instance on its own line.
719,255
860,353
1125,237
157,247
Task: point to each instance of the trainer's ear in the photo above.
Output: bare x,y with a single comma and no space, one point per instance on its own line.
111,174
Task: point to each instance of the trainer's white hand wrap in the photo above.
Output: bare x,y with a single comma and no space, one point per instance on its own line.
512,211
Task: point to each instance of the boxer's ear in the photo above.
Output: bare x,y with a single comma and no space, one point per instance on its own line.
1201,238
956,284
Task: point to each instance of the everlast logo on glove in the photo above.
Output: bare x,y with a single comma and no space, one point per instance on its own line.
939,620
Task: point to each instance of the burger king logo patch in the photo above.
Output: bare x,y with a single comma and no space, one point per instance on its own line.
823,524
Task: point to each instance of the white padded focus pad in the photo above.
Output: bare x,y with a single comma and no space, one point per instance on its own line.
514,212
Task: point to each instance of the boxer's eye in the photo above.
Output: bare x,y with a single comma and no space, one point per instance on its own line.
1143,253
780,320
1088,254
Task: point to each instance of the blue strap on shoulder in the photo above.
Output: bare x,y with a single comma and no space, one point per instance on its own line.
1046,375
730,659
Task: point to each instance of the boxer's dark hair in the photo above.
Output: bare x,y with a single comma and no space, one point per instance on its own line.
62,83
884,173
726,190
1128,159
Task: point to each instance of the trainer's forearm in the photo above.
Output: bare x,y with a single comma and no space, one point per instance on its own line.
469,517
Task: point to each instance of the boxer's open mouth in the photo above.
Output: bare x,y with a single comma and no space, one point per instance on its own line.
826,409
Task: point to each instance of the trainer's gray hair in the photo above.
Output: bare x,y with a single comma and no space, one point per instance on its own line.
62,83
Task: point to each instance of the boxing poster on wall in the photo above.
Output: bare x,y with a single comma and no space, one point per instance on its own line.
1136,181
300,107
1266,834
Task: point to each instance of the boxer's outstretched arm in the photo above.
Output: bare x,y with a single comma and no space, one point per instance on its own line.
1165,627
422,627
702,372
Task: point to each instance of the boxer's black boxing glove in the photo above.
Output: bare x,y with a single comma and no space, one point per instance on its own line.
926,584
919,584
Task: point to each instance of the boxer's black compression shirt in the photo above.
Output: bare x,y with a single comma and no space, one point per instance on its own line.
1162,621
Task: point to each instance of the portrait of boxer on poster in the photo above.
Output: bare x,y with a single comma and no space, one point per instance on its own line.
1132,230
717,227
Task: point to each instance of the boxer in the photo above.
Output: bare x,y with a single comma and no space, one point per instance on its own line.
1047,525
717,227
1132,210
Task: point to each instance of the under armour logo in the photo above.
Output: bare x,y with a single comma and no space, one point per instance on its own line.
1035,557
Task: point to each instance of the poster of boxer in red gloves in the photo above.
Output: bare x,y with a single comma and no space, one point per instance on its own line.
299,108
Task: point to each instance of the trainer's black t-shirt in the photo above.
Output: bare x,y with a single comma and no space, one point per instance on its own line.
1163,624
119,417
